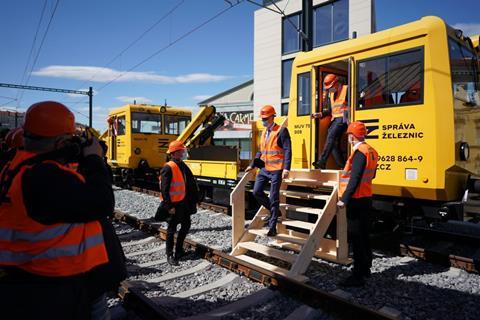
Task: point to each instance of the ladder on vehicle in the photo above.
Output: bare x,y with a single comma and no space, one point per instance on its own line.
308,203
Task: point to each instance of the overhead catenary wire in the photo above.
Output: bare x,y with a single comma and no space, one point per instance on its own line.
33,46
281,12
172,43
39,49
166,15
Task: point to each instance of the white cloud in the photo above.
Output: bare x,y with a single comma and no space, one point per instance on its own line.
201,97
99,74
468,29
127,99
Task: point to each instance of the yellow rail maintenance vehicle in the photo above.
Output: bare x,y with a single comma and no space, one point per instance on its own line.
416,87
138,138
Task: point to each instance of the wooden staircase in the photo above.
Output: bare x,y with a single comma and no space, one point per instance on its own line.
308,203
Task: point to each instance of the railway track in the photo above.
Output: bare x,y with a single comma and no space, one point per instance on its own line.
208,278
446,253
204,205
417,289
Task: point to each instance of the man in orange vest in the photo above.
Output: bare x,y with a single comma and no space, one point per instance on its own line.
50,235
179,195
336,104
276,154
355,192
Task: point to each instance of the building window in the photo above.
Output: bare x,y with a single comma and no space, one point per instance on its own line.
244,146
290,36
303,94
284,109
330,23
286,75
245,149
391,80
175,125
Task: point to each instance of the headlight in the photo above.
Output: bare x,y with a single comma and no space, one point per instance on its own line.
464,151
137,151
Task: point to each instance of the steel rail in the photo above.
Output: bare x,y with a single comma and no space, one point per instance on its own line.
304,293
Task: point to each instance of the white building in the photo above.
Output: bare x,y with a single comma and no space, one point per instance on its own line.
277,42
236,105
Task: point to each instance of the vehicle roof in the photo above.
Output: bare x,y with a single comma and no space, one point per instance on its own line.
343,48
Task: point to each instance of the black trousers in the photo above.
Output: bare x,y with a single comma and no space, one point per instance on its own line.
182,217
27,296
335,130
358,212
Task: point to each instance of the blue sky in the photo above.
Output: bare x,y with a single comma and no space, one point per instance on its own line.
85,38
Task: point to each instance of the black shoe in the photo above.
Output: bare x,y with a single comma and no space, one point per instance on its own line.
352,281
179,254
319,165
172,261
272,232
367,274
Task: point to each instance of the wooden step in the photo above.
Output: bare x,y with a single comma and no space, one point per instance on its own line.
270,267
291,207
279,236
299,224
268,251
304,195
303,181
309,182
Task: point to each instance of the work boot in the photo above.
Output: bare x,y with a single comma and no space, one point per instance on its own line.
319,165
272,232
352,281
172,261
179,254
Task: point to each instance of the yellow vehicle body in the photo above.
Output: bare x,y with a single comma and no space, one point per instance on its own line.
214,169
142,133
418,143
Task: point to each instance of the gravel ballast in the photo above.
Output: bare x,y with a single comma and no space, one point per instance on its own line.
419,290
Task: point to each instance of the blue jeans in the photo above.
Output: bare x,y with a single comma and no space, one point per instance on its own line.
272,203
335,130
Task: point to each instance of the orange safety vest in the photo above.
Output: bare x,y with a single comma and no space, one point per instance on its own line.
272,154
339,105
177,184
54,250
364,189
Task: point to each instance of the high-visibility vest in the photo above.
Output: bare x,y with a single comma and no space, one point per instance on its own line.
364,189
54,250
177,184
272,154
339,104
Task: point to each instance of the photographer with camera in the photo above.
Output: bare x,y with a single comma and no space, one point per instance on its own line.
51,237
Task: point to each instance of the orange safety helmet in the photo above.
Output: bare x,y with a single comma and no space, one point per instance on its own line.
17,138
358,129
175,146
267,111
329,81
49,119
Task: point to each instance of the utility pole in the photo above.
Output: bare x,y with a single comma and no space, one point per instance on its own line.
90,106
307,25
